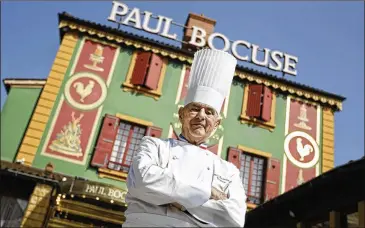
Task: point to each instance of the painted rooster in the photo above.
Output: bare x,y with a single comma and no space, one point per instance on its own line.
303,150
84,91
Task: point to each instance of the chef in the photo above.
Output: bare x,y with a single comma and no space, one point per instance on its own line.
179,183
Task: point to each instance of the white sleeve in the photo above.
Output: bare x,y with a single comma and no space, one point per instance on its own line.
225,213
148,181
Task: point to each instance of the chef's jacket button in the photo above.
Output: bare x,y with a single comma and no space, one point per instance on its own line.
174,157
208,168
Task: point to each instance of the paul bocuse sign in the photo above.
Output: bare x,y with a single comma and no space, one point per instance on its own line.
94,190
273,59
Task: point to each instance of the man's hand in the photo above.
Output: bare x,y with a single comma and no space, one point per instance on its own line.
217,195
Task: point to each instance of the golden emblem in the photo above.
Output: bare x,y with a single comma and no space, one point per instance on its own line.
96,58
68,140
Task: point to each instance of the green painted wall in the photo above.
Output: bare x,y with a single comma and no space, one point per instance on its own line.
118,101
253,137
159,112
15,116
258,138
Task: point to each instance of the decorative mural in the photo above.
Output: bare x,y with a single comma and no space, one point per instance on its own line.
79,108
301,144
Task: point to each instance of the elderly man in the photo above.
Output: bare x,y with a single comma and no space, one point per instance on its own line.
179,183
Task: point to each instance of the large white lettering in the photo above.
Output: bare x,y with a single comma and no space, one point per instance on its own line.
198,34
255,50
289,67
135,17
235,52
118,9
166,28
219,35
274,60
146,21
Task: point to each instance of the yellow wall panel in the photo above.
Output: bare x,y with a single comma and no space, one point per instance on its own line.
46,103
67,50
49,96
31,141
59,69
61,62
51,89
63,56
328,123
40,118
28,149
34,133
55,75
37,125
54,82
328,163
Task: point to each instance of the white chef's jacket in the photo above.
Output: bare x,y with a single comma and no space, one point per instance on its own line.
168,171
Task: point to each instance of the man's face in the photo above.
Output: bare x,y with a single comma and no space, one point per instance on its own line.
198,121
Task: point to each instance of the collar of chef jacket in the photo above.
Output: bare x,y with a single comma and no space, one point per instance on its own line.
182,138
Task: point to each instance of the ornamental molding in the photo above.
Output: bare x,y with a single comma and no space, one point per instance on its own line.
300,93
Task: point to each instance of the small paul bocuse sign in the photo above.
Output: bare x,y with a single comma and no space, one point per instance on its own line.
273,59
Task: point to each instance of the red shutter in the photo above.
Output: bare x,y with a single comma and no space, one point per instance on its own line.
214,148
254,100
105,142
140,68
266,104
154,72
234,156
154,131
184,89
272,179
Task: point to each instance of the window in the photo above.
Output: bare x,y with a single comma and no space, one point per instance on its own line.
258,106
146,74
259,172
125,145
252,173
118,141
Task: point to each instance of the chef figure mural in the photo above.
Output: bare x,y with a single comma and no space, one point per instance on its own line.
301,144
79,107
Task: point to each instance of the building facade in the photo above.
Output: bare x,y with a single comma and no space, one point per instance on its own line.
71,137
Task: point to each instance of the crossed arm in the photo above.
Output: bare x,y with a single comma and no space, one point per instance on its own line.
156,185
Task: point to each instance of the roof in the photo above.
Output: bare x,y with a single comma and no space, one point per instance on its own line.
64,16
28,172
314,199
23,82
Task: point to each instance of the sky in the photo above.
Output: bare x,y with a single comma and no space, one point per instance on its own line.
327,37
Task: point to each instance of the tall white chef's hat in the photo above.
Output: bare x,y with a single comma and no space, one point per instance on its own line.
211,76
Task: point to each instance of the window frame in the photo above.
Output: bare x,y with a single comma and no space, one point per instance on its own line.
129,87
119,175
254,121
123,159
256,153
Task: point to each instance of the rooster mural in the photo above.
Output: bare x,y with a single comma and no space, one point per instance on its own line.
303,150
82,90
